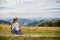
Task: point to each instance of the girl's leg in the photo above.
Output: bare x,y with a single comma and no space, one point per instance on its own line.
17,32
20,32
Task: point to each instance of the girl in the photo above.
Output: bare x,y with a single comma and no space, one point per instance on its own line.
15,27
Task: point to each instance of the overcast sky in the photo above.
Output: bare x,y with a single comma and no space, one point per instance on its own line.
29,8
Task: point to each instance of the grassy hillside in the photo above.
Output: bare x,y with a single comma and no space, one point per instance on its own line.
43,23
55,31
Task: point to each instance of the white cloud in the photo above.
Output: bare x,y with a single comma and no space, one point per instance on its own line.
30,8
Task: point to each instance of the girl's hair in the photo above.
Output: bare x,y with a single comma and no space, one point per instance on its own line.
13,21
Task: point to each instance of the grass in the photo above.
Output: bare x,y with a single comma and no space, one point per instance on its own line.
28,38
41,30
5,29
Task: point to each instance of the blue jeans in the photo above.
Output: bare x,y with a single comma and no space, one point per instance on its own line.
16,31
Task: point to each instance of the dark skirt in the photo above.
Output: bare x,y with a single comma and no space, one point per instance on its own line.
16,32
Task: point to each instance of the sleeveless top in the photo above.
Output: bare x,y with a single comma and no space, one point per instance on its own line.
15,26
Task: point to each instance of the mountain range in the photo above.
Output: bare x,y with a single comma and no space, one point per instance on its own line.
32,21
46,22
22,21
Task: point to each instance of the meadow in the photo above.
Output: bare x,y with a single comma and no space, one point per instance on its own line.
47,31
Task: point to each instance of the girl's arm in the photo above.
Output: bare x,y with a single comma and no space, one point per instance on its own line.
19,27
11,28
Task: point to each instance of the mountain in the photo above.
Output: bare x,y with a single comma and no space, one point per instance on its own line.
27,21
34,22
42,18
44,22
5,22
56,19
22,21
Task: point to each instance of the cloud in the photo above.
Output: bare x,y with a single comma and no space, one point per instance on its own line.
4,8
30,8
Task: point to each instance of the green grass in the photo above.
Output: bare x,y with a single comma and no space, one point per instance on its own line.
49,32
43,32
28,38
5,29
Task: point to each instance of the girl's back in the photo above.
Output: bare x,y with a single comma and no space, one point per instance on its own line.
15,27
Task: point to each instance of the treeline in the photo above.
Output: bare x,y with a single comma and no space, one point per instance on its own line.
46,23
50,23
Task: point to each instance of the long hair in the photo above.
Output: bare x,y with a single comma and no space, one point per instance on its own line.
13,21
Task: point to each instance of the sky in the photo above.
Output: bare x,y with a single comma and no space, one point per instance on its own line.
29,8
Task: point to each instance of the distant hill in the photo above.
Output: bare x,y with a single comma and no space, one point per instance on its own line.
5,22
51,22
56,19
22,21
34,22
27,21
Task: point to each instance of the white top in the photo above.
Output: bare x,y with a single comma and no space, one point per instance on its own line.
15,26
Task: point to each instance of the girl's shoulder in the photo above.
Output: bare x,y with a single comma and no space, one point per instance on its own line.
17,23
